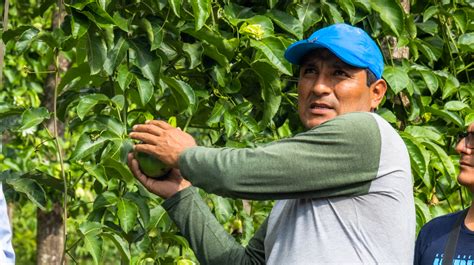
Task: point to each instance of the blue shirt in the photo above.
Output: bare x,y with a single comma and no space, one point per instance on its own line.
432,238
7,256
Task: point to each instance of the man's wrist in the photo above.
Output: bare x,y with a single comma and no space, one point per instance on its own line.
179,196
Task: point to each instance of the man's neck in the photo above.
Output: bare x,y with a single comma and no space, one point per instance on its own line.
469,221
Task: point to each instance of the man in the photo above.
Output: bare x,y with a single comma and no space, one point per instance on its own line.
7,256
432,245
344,187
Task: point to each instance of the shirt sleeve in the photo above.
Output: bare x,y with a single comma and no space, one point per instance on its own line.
7,255
210,242
337,158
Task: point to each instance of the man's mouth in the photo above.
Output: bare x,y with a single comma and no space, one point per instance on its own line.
466,162
315,105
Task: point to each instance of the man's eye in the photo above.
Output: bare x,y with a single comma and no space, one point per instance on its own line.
309,71
340,73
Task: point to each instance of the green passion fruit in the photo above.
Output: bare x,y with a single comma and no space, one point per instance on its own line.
151,166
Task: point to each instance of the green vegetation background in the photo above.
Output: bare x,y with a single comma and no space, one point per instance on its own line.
216,68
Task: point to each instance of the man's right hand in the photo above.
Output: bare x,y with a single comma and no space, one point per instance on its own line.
166,188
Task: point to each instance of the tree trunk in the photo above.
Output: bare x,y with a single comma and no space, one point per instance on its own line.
50,235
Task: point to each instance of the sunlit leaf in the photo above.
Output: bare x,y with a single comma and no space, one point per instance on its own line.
32,117
396,78
273,49
391,14
201,10
127,214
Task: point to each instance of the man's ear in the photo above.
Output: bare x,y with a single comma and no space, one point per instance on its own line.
377,92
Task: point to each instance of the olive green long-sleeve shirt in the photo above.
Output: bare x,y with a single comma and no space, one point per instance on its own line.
344,192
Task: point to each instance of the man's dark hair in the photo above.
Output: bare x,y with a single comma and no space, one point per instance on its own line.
370,77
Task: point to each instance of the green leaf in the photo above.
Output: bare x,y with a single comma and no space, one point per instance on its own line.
430,12
87,102
429,27
230,124
425,132
217,113
450,86
287,22
124,77
391,14
145,90
142,204
222,208
396,78
93,243
182,91
446,115
116,55
348,8
175,6
466,42
118,169
273,49
444,158
32,117
79,25
455,105
423,214
417,158
157,30
75,75
257,27
308,14
86,146
469,119
149,65
121,22
387,115
127,214
25,40
121,245
31,189
431,81
96,52
201,10
194,54
105,199
332,13
271,90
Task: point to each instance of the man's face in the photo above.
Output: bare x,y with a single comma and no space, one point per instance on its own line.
466,162
328,87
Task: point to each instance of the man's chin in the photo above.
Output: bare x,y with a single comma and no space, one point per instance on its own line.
466,176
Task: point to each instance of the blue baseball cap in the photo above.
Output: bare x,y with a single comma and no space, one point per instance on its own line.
350,44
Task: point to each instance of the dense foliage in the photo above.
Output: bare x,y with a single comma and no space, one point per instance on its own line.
216,69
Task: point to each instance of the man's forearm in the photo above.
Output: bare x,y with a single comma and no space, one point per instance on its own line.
210,242
339,158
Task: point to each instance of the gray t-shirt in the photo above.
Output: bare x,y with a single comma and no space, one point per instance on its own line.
373,228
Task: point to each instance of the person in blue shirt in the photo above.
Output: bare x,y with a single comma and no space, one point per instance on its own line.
452,232
7,256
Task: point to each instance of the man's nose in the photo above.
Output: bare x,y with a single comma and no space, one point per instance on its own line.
461,147
322,85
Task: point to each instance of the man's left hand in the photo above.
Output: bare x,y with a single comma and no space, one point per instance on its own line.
162,140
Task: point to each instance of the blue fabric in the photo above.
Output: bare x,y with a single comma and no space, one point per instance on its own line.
432,238
7,256
350,44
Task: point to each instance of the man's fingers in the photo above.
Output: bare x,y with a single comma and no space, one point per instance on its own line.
148,128
144,137
162,124
144,148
